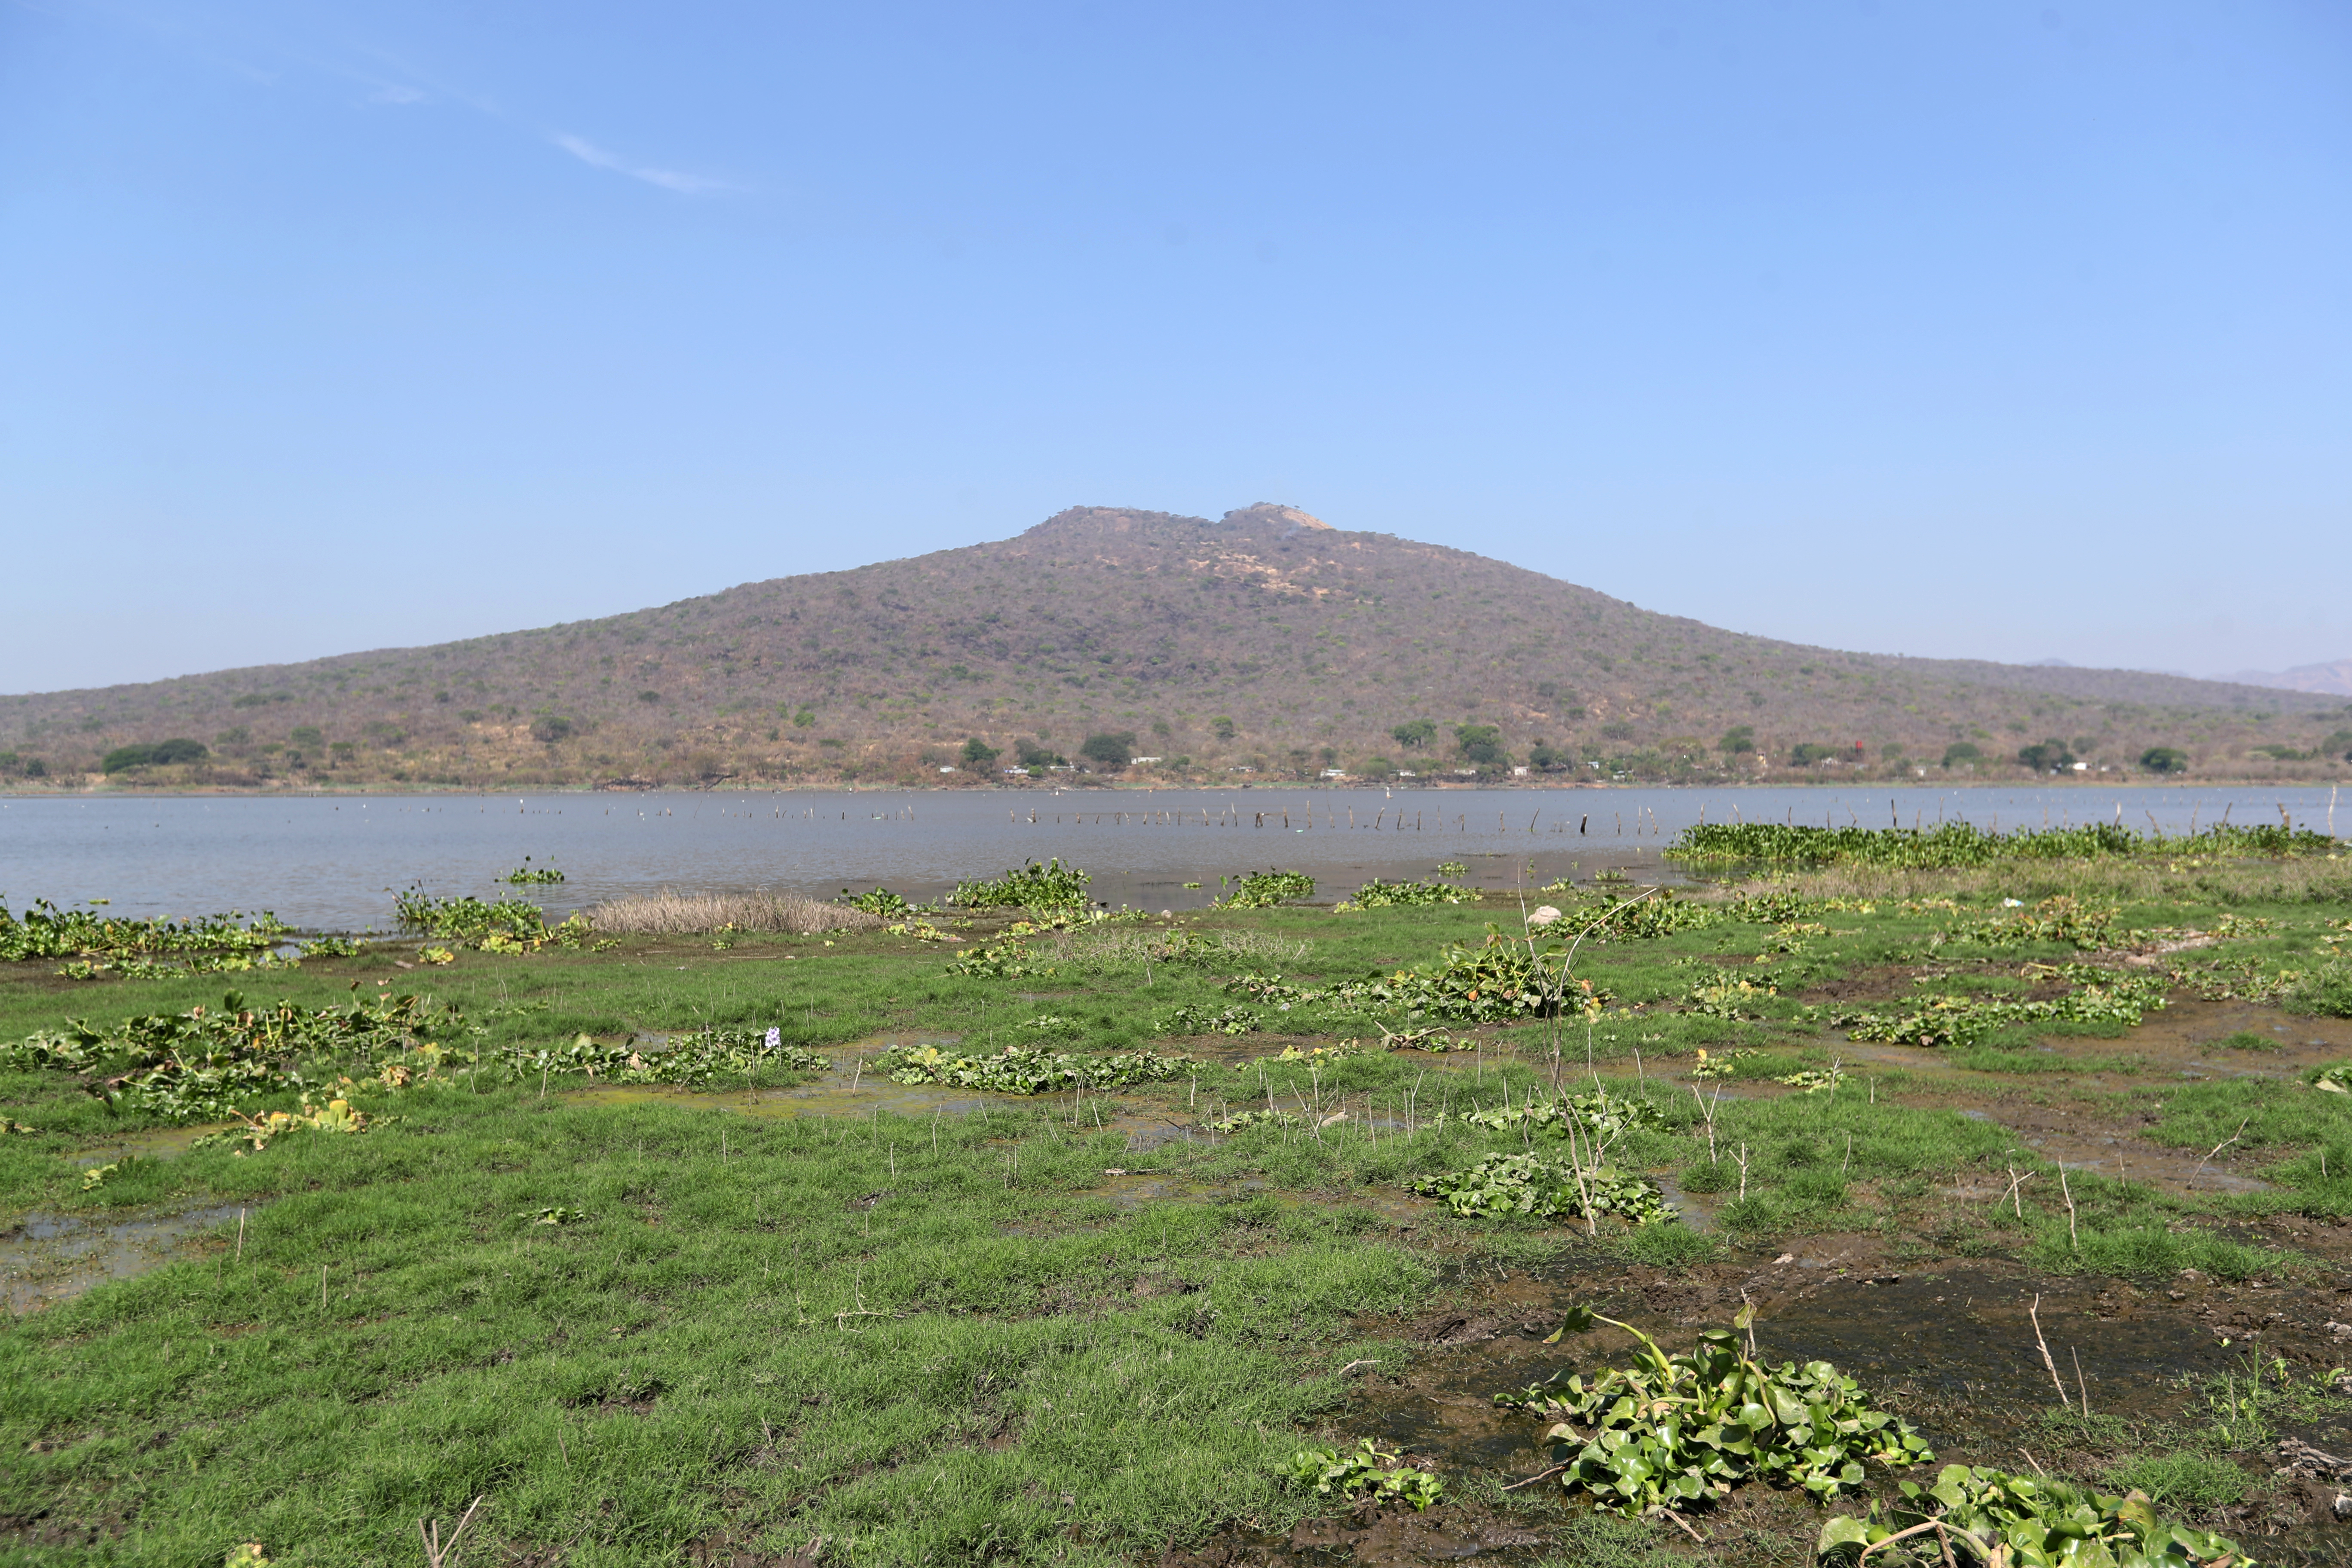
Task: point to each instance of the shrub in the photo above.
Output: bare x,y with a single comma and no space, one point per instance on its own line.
1110,748
1481,744
1737,738
1222,727
1415,735
1031,754
310,737
1960,752
2164,760
550,729
2046,758
161,755
979,755
1809,752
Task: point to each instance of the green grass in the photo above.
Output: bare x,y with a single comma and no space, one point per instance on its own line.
2189,1483
1011,1337
1005,1354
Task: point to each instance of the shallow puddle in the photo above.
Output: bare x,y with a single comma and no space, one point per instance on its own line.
48,1259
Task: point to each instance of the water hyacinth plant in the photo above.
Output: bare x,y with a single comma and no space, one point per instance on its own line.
44,931
1030,886
1265,890
1544,1188
1975,1515
1953,845
1673,1430
1021,1070
1366,1471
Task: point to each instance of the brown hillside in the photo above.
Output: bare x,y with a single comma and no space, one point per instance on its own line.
1265,640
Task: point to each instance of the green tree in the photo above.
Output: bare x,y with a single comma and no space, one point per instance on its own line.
1960,752
1544,755
1377,768
1222,727
1415,736
2048,757
1810,752
1033,755
307,736
1110,748
123,757
1737,738
979,755
1480,743
2164,760
550,729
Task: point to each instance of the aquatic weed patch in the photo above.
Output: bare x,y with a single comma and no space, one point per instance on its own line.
1029,886
1377,894
1974,1514
201,1062
1367,1472
1028,1070
1541,1187
1670,1431
1191,1020
120,947
2099,997
1957,845
1265,889
689,1060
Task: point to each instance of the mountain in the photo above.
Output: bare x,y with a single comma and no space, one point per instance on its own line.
2330,679
1265,640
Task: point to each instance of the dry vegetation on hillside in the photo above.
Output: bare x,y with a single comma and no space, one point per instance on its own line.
1262,641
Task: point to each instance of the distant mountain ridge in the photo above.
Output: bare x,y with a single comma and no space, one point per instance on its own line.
2328,679
1263,640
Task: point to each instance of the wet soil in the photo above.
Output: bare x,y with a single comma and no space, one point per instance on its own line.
48,1259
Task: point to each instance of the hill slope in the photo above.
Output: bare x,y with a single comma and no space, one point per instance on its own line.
1263,640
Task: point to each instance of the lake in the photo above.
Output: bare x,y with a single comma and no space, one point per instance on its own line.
332,863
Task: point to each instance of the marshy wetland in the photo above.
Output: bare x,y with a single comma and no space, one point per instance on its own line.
1006,1227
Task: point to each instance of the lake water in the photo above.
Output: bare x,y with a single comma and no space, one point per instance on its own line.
332,863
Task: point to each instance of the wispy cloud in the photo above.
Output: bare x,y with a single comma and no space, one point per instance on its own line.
395,94
595,157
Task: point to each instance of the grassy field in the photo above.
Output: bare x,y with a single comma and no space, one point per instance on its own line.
800,1309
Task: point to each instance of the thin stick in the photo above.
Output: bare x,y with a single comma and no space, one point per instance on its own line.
1743,1173
1534,1478
2034,1311
1686,1528
2217,1148
2081,1387
240,1236
438,1553
2015,1183
2073,1240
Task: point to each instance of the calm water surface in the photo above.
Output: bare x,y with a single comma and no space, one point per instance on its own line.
332,864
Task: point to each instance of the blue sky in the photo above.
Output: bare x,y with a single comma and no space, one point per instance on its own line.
2003,330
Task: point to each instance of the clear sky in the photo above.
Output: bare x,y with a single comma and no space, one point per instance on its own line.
2000,329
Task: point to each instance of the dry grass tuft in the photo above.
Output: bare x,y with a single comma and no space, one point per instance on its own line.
698,914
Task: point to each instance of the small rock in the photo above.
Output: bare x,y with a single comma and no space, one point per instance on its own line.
1786,1257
